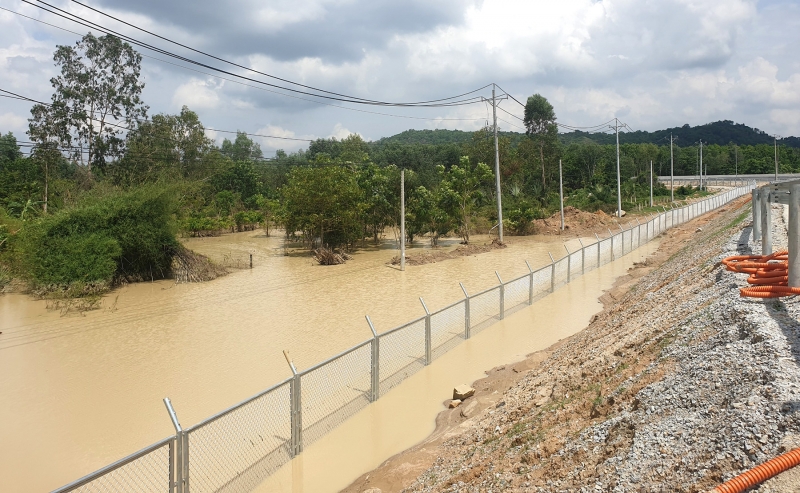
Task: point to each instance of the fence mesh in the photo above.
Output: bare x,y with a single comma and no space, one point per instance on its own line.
149,472
333,392
402,353
517,293
447,329
576,263
561,272
541,282
483,309
236,451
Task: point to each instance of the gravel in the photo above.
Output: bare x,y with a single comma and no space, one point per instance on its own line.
679,386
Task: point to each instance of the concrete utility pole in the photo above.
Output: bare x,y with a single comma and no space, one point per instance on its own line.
619,186
776,158
561,193
651,183
497,168
701,166
671,171
736,160
402,219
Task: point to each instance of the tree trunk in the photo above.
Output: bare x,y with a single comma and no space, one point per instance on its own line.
541,158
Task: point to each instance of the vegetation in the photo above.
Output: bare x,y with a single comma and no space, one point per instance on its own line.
105,191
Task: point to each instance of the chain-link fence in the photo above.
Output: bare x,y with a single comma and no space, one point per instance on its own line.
236,449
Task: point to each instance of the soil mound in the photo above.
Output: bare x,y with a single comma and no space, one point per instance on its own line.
429,257
188,266
576,222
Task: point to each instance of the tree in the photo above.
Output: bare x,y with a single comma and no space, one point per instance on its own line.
241,149
175,145
96,97
540,125
46,132
462,191
324,202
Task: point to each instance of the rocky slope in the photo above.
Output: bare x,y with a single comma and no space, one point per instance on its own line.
677,385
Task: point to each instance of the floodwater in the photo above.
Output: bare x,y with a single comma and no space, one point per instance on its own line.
80,390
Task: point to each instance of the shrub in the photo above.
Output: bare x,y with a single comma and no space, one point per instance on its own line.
122,236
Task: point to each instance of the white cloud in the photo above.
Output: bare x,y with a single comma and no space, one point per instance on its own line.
339,132
197,94
270,145
10,122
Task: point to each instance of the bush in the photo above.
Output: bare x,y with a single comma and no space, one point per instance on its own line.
123,236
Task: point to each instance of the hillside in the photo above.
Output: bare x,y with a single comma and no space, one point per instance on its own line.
721,133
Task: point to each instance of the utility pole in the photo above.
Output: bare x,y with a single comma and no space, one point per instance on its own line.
671,171
561,193
701,165
776,157
736,160
494,102
402,219
651,183
619,186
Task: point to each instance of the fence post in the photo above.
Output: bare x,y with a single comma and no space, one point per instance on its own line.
178,485
428,354
638,233
375,367
502,296
569,264
466,312
552,273
766,224
296,409
583,257
598,250
756,214
530,283
611,235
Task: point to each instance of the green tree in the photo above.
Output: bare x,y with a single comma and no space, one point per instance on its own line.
324,202
540,125
97,96
462,191
241,149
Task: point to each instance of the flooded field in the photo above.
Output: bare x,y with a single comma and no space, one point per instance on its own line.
80,390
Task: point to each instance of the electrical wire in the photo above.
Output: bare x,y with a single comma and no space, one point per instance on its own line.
251,85
445,102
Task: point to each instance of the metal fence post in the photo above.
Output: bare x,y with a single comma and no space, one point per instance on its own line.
756,214
502,296
178,485
375,367
552,273
530,283
598,250
428,354
611,235
569,264
295,409
583,257
794,237
466,312
766,224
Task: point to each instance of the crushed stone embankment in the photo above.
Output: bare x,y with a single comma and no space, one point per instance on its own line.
677,385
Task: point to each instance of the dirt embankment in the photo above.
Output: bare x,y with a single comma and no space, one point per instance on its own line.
432,256
676,386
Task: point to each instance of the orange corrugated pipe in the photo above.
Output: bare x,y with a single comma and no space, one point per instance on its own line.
768,273
760,473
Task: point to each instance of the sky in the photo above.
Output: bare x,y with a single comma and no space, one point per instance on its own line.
651,63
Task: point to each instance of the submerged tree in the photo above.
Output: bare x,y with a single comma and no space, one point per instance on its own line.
540,125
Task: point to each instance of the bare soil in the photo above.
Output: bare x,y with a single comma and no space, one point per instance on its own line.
581,381
432,256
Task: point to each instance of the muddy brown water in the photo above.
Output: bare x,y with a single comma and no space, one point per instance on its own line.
80,390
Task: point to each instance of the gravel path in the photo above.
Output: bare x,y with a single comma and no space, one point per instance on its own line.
678,386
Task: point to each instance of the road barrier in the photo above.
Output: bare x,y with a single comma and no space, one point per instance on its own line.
234,450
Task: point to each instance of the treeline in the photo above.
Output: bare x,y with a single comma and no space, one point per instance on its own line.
92,205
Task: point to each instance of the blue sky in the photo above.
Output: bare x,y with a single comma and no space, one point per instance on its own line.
652,63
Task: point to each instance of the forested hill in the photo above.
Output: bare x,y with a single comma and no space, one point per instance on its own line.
721,133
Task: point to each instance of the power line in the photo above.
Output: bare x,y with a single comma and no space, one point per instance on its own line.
444,102
251,85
